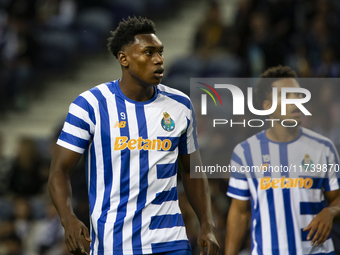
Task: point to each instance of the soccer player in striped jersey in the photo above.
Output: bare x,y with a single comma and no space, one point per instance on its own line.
288,213
132,131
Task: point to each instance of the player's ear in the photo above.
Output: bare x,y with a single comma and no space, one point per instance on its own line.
266,104
122,58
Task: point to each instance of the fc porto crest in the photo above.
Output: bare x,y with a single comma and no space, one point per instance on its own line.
167,123
307,162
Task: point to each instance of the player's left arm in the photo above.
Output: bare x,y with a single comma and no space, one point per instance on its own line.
321,225
197,191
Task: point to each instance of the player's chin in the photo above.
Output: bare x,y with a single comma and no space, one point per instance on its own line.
156,81
292,122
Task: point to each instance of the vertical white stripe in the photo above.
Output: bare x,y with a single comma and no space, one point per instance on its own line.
115,188
295,198
279,204
256,155
134,177
89,168
265,221
99,168
254,252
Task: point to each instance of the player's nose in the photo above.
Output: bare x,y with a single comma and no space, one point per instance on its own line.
159,59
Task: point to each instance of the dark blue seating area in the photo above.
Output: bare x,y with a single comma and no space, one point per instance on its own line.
40,38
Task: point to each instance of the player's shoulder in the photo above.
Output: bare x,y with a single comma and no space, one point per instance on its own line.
256,138
95,93
166,89
312,135
174,94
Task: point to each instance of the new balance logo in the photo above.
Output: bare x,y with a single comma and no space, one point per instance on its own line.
120,124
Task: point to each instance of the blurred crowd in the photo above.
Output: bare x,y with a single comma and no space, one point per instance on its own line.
40,39
29,223
303,34
48,36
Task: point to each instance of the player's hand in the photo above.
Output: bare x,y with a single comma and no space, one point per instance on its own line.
74,230
206,238
320,227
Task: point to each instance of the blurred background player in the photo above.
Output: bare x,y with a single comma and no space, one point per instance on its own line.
287,217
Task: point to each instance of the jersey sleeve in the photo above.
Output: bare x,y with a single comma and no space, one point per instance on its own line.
238,183
79,125
332,181
188,141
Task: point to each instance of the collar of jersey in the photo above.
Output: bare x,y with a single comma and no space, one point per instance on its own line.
121,94
264,136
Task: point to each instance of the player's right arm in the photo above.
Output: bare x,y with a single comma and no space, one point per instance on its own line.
237,225
59,186
240,211
74,138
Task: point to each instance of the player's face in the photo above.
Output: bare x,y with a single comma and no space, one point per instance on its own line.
145,59
292,111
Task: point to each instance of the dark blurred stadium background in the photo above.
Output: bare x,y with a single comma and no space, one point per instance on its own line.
52,50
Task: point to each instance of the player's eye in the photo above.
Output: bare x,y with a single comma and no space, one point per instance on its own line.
161,53
148,52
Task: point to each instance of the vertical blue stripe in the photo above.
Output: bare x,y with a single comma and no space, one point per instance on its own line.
255,211
92,185
107,161
93,178
326,179
194,126
93,238
143,182
286,200
86,163
124,181
251,224
183,141
271,202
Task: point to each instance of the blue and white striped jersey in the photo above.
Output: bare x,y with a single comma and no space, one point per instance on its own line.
131,151
284,200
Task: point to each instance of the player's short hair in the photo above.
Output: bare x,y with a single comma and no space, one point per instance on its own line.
263,88
127,30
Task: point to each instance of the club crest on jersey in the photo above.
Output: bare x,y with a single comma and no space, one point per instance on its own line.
167,123
307,162
266,158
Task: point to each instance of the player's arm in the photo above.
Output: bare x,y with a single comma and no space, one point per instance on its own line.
320,227
59,185
237,225
197,191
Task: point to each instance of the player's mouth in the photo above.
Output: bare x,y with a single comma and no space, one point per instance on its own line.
159,73
296,113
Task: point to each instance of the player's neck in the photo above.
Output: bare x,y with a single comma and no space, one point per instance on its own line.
136,91
279,133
